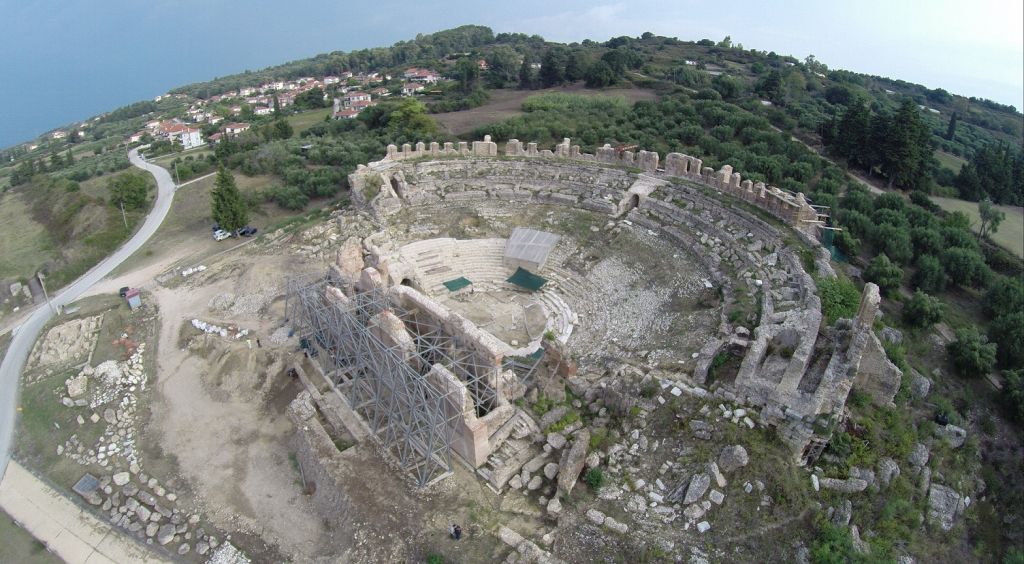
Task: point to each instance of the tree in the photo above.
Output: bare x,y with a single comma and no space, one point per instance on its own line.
930,276
409,120
277,106
852,134
574,68
990,217
922,310
727,86
526,78
1013,381
282,129
227,206
1005,295
771,87
1007,331
600,75
128,189
885,273
311,99
894,241
552,68
907,151
971,353
467,73
951,129
966,266
502,67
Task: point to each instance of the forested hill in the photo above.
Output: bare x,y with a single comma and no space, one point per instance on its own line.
804,98
809,89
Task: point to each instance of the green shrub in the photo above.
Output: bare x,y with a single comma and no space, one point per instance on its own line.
885,273
1013,383
594,478
922,310
839,298
435,559
971,353
566,420
834,545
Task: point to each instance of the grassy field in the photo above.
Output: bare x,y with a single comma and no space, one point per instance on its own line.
25,240
31,229
304,120
950,161
187,226
165,160
1011,230
17,545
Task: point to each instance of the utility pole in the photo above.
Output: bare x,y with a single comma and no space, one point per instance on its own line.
41,278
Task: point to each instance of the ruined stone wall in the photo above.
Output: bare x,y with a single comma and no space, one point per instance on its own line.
322,465
792,208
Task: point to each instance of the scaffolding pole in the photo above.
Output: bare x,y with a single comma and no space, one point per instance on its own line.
413,418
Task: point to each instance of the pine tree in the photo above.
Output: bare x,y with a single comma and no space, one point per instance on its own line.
908,146
951,130
852,134
525,74
229,211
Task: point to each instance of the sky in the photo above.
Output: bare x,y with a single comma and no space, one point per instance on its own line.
67,60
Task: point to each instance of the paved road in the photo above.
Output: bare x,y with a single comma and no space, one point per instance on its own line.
73,533
25,335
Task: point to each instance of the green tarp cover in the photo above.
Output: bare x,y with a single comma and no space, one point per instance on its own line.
526,279
457,284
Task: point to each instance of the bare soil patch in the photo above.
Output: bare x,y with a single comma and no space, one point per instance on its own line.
506,103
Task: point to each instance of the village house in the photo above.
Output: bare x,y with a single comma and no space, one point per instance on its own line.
422,75
187,137
380,92
262,111
345,114
329,80
361,105
236,128
353,97
410,88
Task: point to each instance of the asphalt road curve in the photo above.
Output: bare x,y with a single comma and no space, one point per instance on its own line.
25,335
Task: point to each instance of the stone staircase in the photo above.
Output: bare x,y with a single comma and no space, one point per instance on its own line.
515,448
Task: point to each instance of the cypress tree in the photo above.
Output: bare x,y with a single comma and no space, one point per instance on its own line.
229,211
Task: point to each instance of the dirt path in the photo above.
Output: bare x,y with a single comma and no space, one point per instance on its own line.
856,177
219,418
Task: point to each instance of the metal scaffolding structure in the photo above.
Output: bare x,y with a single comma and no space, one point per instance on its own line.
413,418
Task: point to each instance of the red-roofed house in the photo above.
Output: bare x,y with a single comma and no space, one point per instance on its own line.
422,75
410,88
346,114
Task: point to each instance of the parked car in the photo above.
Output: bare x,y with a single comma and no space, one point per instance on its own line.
247,231
124,291
220,235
